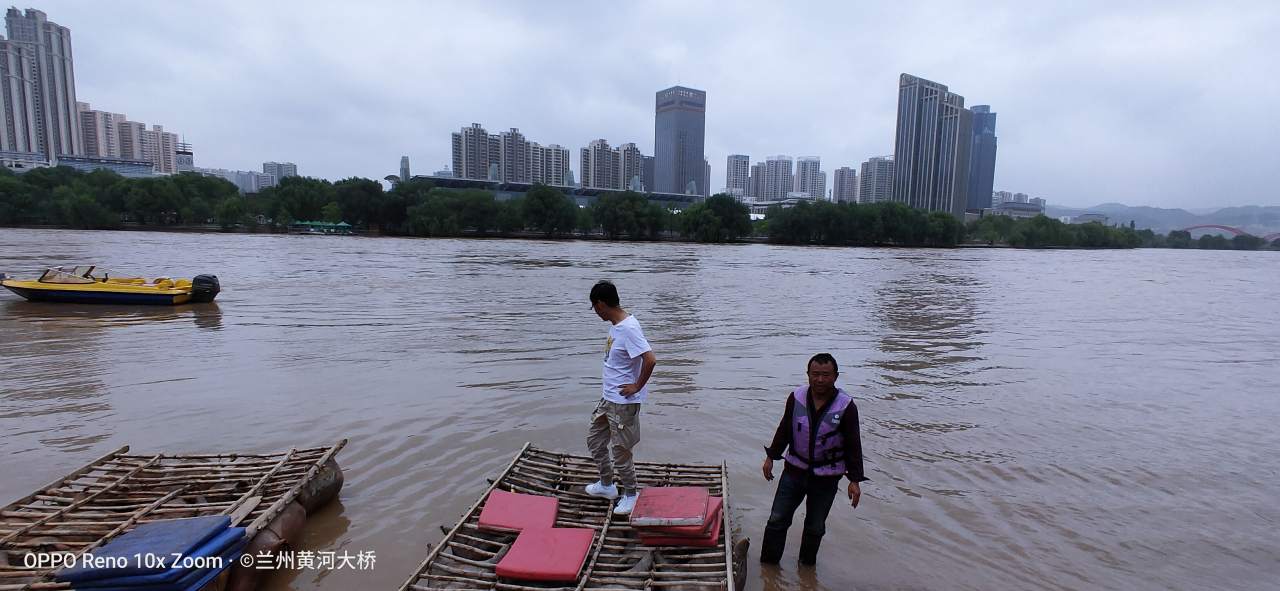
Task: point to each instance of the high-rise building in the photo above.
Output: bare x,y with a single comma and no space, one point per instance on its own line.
630,168
514,157
679,129
185,157
112,135
129,139
809,178
507,157
707,178
931,147
599,166
98,131
737,172
160,147
494,171
845,185
471,153
649,181
22,129
755,183
248,181
877,180
280,170
998,197
550,164
982,157
404,169
1020,198
39,108
778,180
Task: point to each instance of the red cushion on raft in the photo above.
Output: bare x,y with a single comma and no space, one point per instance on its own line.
670,505
513,512
708,541
714,505
550,554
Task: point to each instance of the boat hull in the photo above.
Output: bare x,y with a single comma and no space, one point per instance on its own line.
84,296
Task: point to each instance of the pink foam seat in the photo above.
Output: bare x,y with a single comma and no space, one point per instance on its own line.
709,540
514,512
714,505
670,505
552,554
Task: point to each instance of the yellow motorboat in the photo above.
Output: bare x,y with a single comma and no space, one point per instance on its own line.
84,285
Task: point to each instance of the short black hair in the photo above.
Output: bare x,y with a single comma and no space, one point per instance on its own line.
605,291
823,359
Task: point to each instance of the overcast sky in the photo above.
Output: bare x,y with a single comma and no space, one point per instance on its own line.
1167,104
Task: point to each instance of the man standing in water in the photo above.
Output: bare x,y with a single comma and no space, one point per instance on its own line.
819,432
615,423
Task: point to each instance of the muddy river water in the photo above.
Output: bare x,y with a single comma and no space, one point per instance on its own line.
1031,420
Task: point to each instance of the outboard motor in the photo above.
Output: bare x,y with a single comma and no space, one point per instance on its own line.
204,288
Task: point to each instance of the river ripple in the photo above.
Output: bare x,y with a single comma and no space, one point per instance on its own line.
1031,420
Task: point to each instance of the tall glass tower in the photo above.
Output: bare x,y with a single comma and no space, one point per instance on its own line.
931,147
982,163
679,165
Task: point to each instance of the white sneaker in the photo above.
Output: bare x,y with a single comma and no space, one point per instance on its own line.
598,489
625,504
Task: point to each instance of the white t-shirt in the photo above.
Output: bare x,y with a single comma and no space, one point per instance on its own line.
622,362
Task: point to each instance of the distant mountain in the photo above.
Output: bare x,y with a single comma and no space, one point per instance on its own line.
1255,219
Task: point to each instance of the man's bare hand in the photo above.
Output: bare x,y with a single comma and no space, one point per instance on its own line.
855,493
628,390
768,468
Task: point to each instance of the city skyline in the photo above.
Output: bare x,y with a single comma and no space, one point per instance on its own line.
389,98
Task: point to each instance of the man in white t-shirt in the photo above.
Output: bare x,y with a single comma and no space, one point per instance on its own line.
615,423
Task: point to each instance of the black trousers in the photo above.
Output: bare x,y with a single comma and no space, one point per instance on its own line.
794,487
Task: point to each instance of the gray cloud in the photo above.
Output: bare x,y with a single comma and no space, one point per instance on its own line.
1167,104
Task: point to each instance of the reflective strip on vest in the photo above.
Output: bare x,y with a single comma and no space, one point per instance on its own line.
828,445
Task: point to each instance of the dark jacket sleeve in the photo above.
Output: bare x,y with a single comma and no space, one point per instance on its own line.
852,444
782,437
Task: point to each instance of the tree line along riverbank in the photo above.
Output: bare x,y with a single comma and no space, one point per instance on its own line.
64,197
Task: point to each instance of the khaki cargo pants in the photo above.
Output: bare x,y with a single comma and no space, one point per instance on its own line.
615,428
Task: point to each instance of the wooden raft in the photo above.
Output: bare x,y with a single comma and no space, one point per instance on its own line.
109,496
466,558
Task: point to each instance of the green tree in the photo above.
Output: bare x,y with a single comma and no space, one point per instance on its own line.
549,211
153,201
196,211
510,216
331,212
79,210
17,201
479,210
720,218
1213,242
1179,239
1247,242
231,211
304,197
361,200
585,222
396,203
943,229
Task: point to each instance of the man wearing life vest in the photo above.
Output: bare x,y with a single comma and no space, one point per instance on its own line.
615,423
819,433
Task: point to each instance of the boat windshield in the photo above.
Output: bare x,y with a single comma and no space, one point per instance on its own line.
77,274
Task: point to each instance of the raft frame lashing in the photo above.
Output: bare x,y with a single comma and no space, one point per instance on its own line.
468,560
104,498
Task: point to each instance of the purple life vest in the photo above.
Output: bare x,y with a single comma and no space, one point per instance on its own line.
827,456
